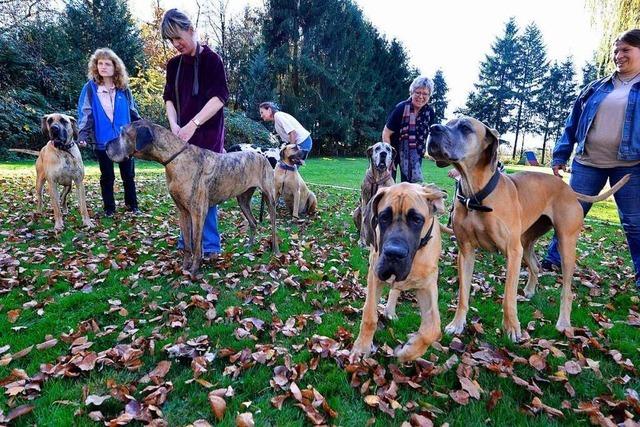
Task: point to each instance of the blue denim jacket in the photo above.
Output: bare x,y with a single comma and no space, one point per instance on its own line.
584,111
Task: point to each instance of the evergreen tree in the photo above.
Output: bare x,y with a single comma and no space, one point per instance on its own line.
554,102
493,99
531,68
589,73
258,84
439,100
93,24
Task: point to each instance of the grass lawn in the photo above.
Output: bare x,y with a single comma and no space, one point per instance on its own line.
99,325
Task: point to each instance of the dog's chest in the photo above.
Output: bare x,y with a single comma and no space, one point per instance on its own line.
474,231
68,169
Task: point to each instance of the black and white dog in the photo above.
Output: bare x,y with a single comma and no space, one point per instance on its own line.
272,154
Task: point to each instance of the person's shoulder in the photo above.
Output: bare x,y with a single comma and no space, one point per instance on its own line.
209,54
173,62
401,104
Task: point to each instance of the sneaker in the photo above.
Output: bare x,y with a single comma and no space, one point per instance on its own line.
109,213
547,265
134,211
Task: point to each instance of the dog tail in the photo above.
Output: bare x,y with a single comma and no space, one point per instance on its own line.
446,230
21,150
606,194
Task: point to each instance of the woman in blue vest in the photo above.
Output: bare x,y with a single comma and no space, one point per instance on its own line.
104,107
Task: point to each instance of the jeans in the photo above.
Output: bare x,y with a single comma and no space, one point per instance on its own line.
107,178
305,146
210,234
589,180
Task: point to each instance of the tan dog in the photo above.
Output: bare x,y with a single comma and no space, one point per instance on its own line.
510,217
405,249
60,162
198,178
290,185
377,176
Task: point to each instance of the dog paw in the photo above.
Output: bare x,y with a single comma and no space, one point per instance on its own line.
513,331
455,327
359,350
563,325
390,314
88,224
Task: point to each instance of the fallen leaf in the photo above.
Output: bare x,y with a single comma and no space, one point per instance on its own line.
218,405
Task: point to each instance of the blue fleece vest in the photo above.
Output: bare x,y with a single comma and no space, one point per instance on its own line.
104,129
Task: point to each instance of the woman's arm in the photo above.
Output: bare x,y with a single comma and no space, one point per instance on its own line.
85,116
386,135
172,116
209,110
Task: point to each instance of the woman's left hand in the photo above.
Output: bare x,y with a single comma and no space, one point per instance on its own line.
186,132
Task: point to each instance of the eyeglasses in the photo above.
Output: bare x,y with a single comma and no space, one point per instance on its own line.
422,94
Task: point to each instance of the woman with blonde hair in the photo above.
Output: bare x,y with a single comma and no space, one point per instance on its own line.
105,106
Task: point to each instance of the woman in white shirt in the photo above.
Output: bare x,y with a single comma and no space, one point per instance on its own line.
287,127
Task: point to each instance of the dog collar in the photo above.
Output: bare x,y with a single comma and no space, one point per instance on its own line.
63,146
474,201
166,162
429,235
285,166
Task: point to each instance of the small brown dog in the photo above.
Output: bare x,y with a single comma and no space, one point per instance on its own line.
405,249
60,162
290,185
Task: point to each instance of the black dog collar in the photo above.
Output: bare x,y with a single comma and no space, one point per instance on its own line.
474,201
285,166
166,162
428,236
62,145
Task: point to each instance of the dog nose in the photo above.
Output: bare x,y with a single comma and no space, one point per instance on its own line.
395,250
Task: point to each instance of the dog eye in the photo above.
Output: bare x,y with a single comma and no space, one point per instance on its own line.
384,217
415,218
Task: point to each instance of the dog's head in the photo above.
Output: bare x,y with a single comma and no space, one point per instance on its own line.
135,139
291,154
380,156
59,128
464,140
397,218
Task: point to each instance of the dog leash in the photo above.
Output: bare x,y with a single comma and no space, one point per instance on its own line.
474,201
429,234
166,162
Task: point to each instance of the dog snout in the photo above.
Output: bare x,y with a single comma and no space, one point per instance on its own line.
395,249
437,128
57,131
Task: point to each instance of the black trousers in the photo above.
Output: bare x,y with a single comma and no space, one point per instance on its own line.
107,178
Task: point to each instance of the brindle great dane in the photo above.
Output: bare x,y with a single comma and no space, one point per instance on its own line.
508,217
405,249
198,178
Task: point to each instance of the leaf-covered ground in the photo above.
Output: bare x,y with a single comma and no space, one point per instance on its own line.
101,326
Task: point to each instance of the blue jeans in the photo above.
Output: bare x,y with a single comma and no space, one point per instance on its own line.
210,234
306,146
590,181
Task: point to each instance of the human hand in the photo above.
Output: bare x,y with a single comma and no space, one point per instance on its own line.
558,168
82,144
174,128
186,132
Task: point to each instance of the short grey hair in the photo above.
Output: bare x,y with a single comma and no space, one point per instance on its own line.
421,81
173,22
270,105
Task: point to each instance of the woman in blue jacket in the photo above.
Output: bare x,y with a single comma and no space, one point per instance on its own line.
104,107
604,125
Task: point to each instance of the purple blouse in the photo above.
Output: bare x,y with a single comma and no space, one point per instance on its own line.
212,82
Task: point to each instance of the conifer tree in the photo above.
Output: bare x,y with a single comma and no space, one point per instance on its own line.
439,100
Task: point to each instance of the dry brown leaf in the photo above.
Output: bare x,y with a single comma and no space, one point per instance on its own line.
245,420
218,405
461,397
96,400
22,353
12,315
47,344
494,397
538,361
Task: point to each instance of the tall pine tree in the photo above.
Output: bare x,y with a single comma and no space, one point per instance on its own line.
493,100
531,68
439,100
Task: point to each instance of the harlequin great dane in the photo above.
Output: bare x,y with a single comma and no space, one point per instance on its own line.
60,163
405,248
198,178
508,213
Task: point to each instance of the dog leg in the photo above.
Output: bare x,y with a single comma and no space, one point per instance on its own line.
269,194
63,199
185,228
296,203
55,204
39,188
390,308
82,202
198,214
244,201
567,249
312,204
362,345
533,267
510,322
429,330
466,260
357,217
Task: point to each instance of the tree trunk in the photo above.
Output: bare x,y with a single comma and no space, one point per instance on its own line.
515,142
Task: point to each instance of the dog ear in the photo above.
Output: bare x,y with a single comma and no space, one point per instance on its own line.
493,137
435,198
144,137
74,128
370,151
44,127
282,152
370,215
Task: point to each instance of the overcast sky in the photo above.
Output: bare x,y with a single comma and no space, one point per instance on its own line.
456,35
